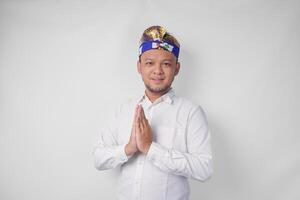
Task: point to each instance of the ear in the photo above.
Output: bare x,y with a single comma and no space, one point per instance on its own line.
138,64
177,68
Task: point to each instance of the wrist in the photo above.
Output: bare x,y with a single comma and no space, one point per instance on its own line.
147,147
129,150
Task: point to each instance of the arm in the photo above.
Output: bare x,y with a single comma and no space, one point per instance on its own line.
197,162
107,152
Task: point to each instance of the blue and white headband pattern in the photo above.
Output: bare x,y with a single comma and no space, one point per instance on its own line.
157,44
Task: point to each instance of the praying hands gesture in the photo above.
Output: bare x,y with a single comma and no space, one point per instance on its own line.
141,133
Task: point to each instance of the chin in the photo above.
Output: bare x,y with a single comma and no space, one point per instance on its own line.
161,89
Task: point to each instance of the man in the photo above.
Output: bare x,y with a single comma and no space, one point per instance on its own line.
159,139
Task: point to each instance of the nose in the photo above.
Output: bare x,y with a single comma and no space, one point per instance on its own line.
158,69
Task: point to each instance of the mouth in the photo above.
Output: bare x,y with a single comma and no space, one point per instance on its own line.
157,80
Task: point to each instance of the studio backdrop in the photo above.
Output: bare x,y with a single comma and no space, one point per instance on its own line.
66,65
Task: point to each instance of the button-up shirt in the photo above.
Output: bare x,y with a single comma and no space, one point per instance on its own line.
180,149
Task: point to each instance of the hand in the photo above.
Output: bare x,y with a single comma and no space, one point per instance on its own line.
143,131
131,147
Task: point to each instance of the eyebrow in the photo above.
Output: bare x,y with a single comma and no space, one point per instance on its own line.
170,60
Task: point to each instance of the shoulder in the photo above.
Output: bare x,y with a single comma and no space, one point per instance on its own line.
186,103
190,107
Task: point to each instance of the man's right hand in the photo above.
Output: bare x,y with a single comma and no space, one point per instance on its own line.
131,147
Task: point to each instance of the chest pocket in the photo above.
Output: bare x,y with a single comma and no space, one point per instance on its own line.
170,137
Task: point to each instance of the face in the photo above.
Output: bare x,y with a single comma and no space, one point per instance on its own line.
158,69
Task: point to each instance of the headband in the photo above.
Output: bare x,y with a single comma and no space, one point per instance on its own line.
157,44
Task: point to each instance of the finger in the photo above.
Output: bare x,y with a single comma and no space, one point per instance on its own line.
135,117
136,128
142,126
133,134
142,113
144,122
136,112
139,122
144,119
138,116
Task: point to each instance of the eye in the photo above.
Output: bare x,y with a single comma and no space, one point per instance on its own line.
148,63
167,64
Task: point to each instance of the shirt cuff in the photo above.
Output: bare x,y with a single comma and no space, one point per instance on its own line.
156,152
121,154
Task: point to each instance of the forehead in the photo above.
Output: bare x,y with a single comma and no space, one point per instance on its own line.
158,54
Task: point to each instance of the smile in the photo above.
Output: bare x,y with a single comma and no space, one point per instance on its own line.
157,80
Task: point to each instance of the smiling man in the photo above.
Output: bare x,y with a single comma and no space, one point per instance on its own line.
159,139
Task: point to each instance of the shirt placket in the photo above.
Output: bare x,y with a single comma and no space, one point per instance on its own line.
140,165
138,177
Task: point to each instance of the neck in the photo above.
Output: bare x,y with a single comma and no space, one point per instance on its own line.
155,95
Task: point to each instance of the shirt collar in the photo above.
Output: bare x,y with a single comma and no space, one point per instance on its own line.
168,98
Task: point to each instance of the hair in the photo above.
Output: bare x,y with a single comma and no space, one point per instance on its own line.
154,32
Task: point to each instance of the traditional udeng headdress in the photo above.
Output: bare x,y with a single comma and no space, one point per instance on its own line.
157,37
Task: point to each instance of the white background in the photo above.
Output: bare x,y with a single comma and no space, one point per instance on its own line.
65,65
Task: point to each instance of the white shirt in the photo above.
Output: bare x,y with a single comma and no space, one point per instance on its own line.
180,149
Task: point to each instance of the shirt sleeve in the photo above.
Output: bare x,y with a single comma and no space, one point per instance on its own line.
107,152
196,163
